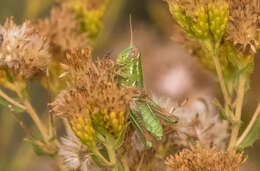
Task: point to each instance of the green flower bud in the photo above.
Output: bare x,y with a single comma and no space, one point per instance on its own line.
200,25
218,19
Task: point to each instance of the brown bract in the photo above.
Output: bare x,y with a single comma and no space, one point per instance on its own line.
204,159
63,31
23,51
244,23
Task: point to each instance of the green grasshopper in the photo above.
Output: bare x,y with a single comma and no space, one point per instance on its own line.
144,112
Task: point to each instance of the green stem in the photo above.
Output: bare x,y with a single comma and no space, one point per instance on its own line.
102,158
228,101
250,125
10,100
30,110
112,156
36,120
237,118
221,78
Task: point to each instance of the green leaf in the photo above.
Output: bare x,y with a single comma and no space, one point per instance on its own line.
10,105
151,123
252,136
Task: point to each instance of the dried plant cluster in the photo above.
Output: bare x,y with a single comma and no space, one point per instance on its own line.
23,51
204,158
111,121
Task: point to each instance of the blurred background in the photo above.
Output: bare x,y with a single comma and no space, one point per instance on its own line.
169,71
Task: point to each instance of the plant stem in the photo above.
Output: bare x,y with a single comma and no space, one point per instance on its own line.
101,157
112,156
10,100
250,125
221,78
237,118
224,90
18,86
36,120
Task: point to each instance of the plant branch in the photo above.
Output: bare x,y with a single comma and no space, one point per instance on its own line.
221,79
223,87
102,158
10,100
237,118
36,120
250,125
112,155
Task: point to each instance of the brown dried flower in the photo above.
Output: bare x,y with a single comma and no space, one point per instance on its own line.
97,96
196,122
78,59
22,49
63,30
204,159
244,23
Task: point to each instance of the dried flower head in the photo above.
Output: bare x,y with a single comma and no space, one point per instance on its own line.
195,124
97,102
22,49
200,158
109,102
63,30
75,155
77,59
72,152
244,23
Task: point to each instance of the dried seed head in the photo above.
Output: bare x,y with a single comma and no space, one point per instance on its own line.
63,31
22,49
97,100
200,158
244,24
195,125
71,151
77,59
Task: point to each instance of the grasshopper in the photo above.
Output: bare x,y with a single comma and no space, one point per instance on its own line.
145,113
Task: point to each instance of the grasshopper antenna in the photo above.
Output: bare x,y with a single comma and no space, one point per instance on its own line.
131,30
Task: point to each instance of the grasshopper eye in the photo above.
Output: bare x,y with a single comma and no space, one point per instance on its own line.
133,53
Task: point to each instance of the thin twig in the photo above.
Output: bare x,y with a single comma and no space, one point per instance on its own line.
102,158
10,100
224,90
250,125
36,120
221,79
239,105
